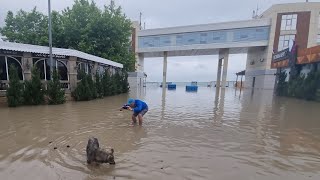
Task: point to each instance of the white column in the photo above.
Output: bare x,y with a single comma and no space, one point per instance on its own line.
141,63
7,68
219,73
165,61
225,54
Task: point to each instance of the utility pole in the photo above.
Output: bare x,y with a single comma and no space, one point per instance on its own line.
112,4
140,20
50,39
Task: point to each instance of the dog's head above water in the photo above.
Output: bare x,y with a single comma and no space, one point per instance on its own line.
105,156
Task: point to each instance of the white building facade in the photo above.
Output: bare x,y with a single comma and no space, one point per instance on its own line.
273,31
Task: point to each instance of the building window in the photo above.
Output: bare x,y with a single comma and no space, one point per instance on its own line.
289,22
318,38
285,41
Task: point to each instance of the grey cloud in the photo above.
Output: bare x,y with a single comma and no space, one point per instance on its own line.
201,66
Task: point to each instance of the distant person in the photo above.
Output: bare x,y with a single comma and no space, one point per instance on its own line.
139,109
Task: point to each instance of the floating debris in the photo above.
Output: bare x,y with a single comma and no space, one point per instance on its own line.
68,146
50,142
55,148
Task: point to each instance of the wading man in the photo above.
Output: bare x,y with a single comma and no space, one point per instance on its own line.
139,109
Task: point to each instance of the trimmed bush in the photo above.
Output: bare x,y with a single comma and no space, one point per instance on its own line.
124,82
99,86
83,92
301,86
311,85
56,94
15,90
92,86
34,91
295,87
282,88
106,83
117,82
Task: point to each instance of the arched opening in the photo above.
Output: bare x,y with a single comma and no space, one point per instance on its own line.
63,70
5,63
83,67
3,69
101,70
44,67
16,62
40,64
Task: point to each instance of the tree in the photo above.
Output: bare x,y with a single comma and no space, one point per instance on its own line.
84,27
55,94
14,92
34,91
26,27
58,32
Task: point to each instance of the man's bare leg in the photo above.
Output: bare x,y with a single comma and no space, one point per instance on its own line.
140,119
134,119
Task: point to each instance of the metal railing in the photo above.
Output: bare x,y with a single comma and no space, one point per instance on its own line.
3,85
64,85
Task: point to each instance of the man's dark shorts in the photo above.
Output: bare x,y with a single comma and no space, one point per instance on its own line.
143,112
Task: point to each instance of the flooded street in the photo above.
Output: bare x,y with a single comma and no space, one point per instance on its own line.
204,135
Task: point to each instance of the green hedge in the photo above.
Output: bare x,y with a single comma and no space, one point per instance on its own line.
104,85
33,92
301,86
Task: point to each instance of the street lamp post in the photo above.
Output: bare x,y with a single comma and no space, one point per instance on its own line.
50,39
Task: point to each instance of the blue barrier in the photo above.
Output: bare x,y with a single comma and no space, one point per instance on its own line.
191,88
172,86
166,84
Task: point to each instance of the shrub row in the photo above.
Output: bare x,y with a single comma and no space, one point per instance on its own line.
33,92
302,87
104,85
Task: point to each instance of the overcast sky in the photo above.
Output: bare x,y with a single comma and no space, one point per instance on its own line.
166,13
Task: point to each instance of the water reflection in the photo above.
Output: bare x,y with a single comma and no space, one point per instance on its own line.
163,102
214,133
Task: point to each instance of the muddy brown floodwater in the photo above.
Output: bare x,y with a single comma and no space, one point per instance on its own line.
204,135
